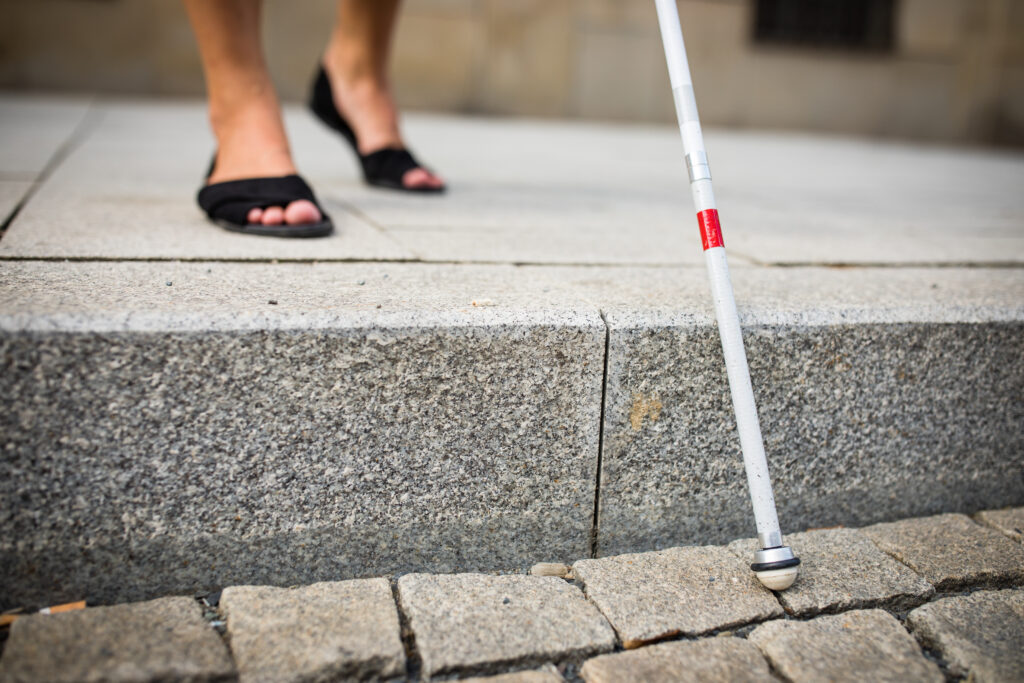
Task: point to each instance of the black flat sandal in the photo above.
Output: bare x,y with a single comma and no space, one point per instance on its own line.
228,205
382,168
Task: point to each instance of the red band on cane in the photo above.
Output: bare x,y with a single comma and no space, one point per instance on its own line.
710,229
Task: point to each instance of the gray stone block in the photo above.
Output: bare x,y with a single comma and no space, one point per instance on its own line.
168,439
326,631
711,659
840,569
980,636
1010,522
951,551
868,414
868,645
161,640
473,623
688,591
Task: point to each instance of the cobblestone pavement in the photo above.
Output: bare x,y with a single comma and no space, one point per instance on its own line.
926,599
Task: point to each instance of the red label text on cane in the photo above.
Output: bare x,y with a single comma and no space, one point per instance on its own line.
710,229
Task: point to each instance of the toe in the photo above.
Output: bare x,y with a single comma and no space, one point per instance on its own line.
301,211
273,215
421,178
255,215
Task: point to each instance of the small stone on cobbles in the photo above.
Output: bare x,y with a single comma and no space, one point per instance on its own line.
550,569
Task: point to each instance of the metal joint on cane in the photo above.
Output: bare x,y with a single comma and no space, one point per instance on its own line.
775,563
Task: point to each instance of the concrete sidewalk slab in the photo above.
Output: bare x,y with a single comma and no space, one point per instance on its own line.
466,623
128,192
540,192
11,194
33,128
785,198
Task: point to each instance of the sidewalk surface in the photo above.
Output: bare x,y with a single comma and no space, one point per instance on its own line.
524,369
926,599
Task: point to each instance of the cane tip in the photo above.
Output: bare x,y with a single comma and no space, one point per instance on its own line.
778,579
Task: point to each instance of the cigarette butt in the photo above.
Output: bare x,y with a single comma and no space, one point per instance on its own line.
66,607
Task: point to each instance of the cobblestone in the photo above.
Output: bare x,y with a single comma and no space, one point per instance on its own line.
951,551
1009,521
475,622
981,636
712,659
867,645
159,640
689,591
548,674
840,570
484,625
318,632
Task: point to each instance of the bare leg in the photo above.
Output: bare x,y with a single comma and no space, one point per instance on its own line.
244,110
356,61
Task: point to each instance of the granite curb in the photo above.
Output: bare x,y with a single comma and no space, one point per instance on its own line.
248,413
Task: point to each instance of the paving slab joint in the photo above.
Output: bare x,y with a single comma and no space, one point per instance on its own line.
79,133
413,661
594,529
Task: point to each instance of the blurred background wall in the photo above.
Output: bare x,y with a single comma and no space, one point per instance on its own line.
950,70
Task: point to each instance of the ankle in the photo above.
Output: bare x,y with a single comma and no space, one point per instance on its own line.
353,71
241,100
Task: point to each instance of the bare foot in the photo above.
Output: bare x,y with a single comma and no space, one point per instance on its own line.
365,101
251,143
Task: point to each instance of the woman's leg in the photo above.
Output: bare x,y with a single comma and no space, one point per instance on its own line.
244,111
356,61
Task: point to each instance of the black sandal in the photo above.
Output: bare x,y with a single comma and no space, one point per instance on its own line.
228,205
384,167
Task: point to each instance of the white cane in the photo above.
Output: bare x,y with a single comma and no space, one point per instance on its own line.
775,564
